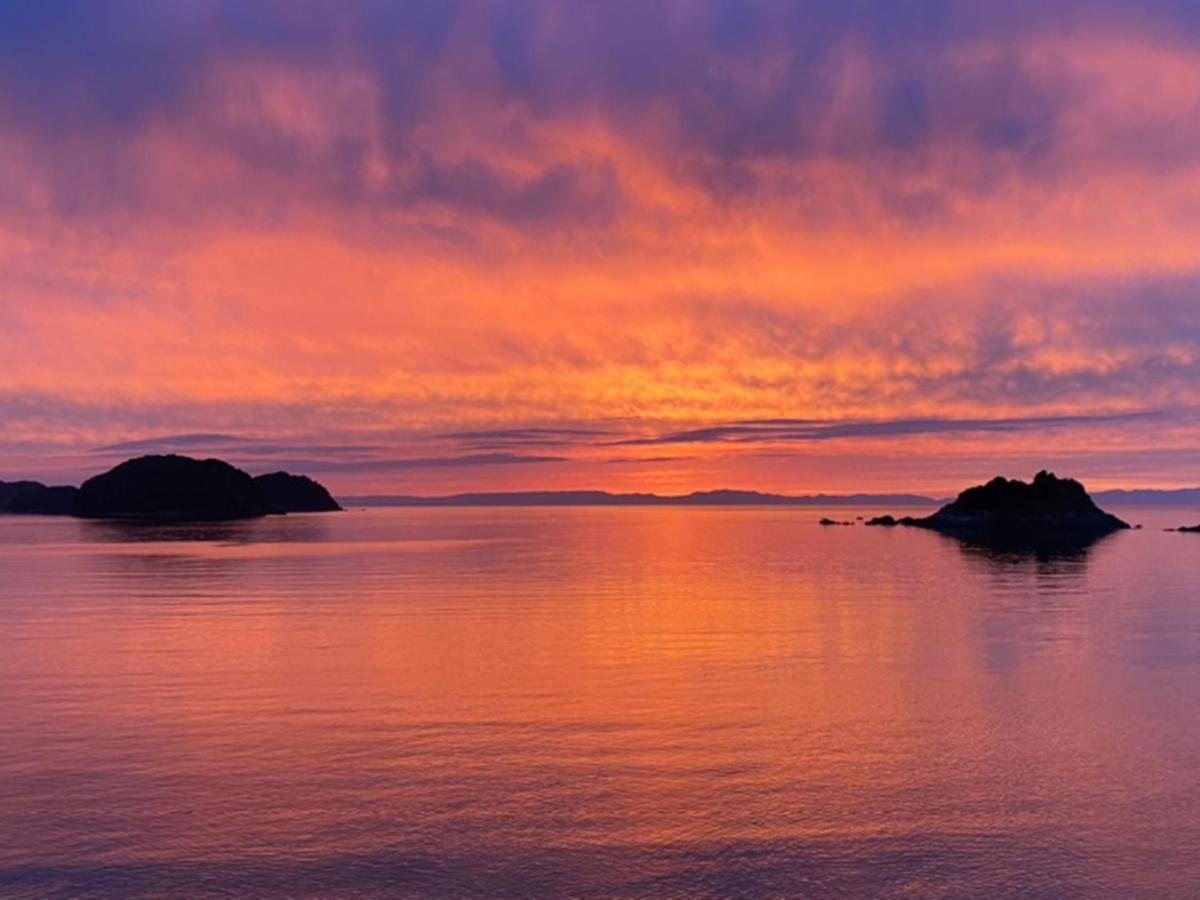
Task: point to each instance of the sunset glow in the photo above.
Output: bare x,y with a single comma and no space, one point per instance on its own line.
431,247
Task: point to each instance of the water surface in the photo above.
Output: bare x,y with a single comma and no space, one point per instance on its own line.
637,702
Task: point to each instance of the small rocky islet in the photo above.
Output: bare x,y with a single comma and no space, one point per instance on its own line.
1048,511
171,488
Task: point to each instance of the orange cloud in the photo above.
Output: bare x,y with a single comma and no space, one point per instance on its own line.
296,249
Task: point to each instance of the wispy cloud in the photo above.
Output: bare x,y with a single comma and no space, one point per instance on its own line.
218,443
790,430
384,466
643,460
506,438
174,442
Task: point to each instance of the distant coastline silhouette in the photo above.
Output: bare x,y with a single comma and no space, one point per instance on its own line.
1047,513
1187,497
724,497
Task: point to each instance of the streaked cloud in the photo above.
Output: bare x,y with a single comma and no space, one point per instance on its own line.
789,430
375,466
388,236
174,442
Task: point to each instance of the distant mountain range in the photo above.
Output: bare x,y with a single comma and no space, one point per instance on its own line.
604,498
1181,497
1187,497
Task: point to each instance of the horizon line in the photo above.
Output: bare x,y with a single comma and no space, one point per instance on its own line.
724,497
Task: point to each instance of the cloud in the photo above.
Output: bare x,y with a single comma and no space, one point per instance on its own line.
422,231
384,466
230,444
519,435
782,431
503,438
173,442
643,460
484,108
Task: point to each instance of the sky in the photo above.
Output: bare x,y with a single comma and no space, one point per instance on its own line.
426,247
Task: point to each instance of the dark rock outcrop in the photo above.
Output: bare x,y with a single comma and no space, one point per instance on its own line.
892,521
883,521
59,500
1191,529
179,488
282,492
1047,512
35,498
11,490
171,487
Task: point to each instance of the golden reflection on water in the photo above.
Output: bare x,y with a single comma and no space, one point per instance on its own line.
592,702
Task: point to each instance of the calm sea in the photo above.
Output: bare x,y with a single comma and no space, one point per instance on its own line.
595,703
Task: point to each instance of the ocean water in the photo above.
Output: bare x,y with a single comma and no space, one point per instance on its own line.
615,703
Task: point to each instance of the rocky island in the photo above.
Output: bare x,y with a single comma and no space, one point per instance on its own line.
281,491
1047,512
171,488
33,497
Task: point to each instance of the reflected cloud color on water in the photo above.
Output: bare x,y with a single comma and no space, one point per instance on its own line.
592,703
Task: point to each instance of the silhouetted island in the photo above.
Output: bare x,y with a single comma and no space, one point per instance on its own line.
171,488
35,498
294,493
1050,511
1191,529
